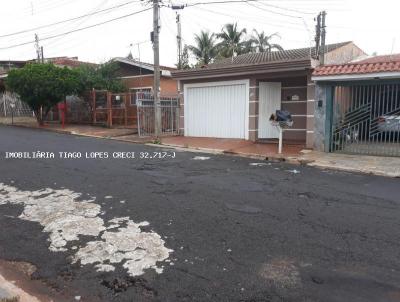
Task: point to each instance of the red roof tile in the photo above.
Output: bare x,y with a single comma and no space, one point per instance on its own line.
387,63
70,62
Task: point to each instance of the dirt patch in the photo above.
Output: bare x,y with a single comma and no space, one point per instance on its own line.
16,278
281,273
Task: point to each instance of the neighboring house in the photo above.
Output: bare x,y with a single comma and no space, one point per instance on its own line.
5,67
358,106
138,77
235,97
70,62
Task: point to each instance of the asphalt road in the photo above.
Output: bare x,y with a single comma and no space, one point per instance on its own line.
238,231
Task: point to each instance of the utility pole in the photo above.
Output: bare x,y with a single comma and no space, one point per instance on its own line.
323,36
179,32
41,54
156,50
317,36
38,55
179,39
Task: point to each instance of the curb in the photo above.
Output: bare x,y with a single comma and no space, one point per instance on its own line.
287,159
38,128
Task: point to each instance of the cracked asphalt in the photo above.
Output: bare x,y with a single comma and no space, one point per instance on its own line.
239,232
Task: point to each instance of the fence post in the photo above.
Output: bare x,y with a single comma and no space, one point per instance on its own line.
177,115
109,110
126,109
5,107
94,105
138,117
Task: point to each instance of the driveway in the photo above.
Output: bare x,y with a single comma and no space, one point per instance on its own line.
192,227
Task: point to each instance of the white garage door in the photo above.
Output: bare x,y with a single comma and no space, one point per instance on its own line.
217,109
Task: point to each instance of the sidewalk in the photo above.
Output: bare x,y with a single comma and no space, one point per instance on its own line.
295,154
123,134
233,146
377,165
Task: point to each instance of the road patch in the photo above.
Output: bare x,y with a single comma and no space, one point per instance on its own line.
65,219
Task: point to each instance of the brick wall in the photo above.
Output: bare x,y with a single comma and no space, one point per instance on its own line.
168,85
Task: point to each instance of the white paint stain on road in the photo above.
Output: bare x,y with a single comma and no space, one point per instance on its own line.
201,158
294,171
65,219
260,164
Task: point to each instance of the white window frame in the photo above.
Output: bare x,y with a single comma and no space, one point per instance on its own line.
133,91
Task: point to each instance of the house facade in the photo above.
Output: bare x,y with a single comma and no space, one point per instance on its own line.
235,97
357,108
138,77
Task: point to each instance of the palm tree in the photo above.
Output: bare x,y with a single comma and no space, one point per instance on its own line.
233,42
262,43
205,50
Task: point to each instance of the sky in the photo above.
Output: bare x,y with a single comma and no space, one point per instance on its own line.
373,25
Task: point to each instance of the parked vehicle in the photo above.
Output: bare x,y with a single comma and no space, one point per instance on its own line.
389,123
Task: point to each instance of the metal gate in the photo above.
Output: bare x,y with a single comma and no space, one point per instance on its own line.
10,104
366,119
145,115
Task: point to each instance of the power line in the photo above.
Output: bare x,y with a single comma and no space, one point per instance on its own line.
67,20
287,9
273,12
78,23
32,10
79,29
281,24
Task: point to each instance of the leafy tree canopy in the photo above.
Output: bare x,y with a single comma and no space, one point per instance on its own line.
102,77
230,42
42,86
205,49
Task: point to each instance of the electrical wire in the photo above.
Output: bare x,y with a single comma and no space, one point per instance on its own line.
281,25
77,30
273,12
68,20
54,43
286,9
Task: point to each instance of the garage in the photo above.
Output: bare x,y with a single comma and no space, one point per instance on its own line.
217,109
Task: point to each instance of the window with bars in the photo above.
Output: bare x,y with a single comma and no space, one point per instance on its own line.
135,93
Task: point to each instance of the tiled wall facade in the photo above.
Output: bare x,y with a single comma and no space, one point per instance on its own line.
297,96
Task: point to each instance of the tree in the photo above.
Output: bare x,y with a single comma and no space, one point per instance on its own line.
262,43
185,58
42,86
205,49
102,77
233,42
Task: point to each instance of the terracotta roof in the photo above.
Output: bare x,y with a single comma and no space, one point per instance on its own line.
70,62
386,63
270,57
143,64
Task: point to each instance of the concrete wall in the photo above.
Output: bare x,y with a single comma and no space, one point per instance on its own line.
344,54
320,111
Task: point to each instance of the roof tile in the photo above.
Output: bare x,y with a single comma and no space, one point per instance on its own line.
386,63
267,57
